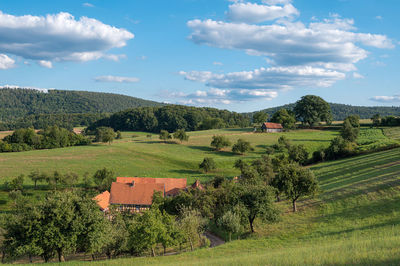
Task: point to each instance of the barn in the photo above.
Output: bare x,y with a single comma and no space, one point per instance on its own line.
271,127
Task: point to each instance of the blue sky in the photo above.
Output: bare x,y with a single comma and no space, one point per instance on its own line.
236,55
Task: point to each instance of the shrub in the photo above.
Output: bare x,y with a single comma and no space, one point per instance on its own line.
242,147
207,164
219,142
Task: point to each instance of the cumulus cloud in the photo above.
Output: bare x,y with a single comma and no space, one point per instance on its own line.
59,37
255,13
45,63
215,96
386,99
313,55
357,75
25,88
88,5
217,63
282,78
291,43
118,79
6,62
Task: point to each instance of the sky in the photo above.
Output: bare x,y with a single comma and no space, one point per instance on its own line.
236,55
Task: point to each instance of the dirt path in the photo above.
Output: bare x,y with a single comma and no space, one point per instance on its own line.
215,240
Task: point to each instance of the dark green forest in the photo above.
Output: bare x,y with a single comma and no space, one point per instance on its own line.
341,111
172,118
17,103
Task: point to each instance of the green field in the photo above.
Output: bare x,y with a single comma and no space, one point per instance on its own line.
354,221
141,156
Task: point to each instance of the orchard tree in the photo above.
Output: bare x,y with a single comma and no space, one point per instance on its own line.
35,176
348,131
296,181
231,223
284,117
164,135
376,120
298,153
219,142
103,179
207,164
105,134
311,109
242,146
181,135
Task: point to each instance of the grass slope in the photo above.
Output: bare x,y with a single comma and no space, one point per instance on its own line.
354,221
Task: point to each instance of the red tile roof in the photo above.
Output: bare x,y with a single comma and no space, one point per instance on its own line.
273,125
103,200
171,184
137,194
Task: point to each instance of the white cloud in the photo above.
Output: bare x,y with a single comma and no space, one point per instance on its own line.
282,78
357,75
215,96
6,62
217,63
387,99
118,79
328,42
26,88
255,13
45,63
379,17
87,5
59,37
277,2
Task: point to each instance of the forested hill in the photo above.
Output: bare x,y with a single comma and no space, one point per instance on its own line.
17,103
341,111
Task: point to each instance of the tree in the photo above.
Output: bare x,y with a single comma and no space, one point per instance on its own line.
181,135
16,183
103,179
350,128
376,120
105,134
192,225
219,142
298,153
242,146
296,181
339,147
230,222
207,164
35,176
260,117
118,135
311,109
164,135
284,117
257,201
145,231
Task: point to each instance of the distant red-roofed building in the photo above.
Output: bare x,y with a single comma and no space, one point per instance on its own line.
172,185
271,127
135,194
103,200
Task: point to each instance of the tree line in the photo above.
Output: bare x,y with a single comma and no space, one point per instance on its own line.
171,118
25,139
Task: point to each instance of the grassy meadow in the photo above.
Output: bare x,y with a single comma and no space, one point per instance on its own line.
355,220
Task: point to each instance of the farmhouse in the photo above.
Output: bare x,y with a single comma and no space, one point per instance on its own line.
271,127
135,194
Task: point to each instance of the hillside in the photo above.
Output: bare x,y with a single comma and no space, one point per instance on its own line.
17,103
354,221
341,111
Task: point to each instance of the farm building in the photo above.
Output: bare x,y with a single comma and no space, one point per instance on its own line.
271,127
135,194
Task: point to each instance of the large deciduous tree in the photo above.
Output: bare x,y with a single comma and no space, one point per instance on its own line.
311,109
260,117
